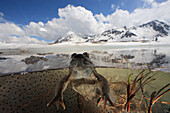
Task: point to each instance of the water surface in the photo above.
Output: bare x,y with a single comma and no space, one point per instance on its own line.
144,56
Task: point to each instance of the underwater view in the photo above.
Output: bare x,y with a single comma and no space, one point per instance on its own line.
29,78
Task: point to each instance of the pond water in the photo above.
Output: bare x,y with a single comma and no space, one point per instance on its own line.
123,58
30,92
121,55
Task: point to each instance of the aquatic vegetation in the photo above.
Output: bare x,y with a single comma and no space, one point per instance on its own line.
30,92
142,80
156,95
132,98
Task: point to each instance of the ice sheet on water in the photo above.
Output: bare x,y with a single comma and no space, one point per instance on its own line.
11,66
121,55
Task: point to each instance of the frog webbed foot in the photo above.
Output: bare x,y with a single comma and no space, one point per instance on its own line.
60,89
59,99
105,98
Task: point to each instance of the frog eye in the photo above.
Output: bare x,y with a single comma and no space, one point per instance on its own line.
86,54
73,55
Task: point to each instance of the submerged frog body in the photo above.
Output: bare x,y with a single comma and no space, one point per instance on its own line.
85,80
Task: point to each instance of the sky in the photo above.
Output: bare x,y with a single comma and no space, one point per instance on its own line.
40,21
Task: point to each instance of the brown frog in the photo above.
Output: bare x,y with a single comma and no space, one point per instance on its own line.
85,80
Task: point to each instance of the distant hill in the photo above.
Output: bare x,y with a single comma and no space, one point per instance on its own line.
150,31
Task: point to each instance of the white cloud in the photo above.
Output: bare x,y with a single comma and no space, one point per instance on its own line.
25,40
122,4
112,6
139,16
1,17
8,29
80,20
76,19
119,18
158,11
1,14
100,17
10,32
148,3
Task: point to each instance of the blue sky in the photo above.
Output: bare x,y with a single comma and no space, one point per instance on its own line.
24,11
50,19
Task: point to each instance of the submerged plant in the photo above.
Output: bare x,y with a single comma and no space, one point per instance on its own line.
138,83
156,95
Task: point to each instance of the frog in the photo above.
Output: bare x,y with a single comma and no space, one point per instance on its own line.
85,80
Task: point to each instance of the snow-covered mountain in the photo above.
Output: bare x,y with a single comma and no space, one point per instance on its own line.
72,37
150,31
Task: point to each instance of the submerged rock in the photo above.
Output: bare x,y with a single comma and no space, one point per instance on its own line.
127,56
159,60
44,53
33,59
3,58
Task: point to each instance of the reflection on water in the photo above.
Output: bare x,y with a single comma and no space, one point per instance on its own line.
16,60
143,59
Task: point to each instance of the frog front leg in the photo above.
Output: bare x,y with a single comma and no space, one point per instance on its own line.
62,86
104,87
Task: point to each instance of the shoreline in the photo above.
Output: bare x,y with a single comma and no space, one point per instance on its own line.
97,67
16,45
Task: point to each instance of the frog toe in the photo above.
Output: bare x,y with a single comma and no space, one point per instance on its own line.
99,101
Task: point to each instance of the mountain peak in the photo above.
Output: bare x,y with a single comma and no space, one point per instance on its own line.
70,33
158,26
72,37
148,31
